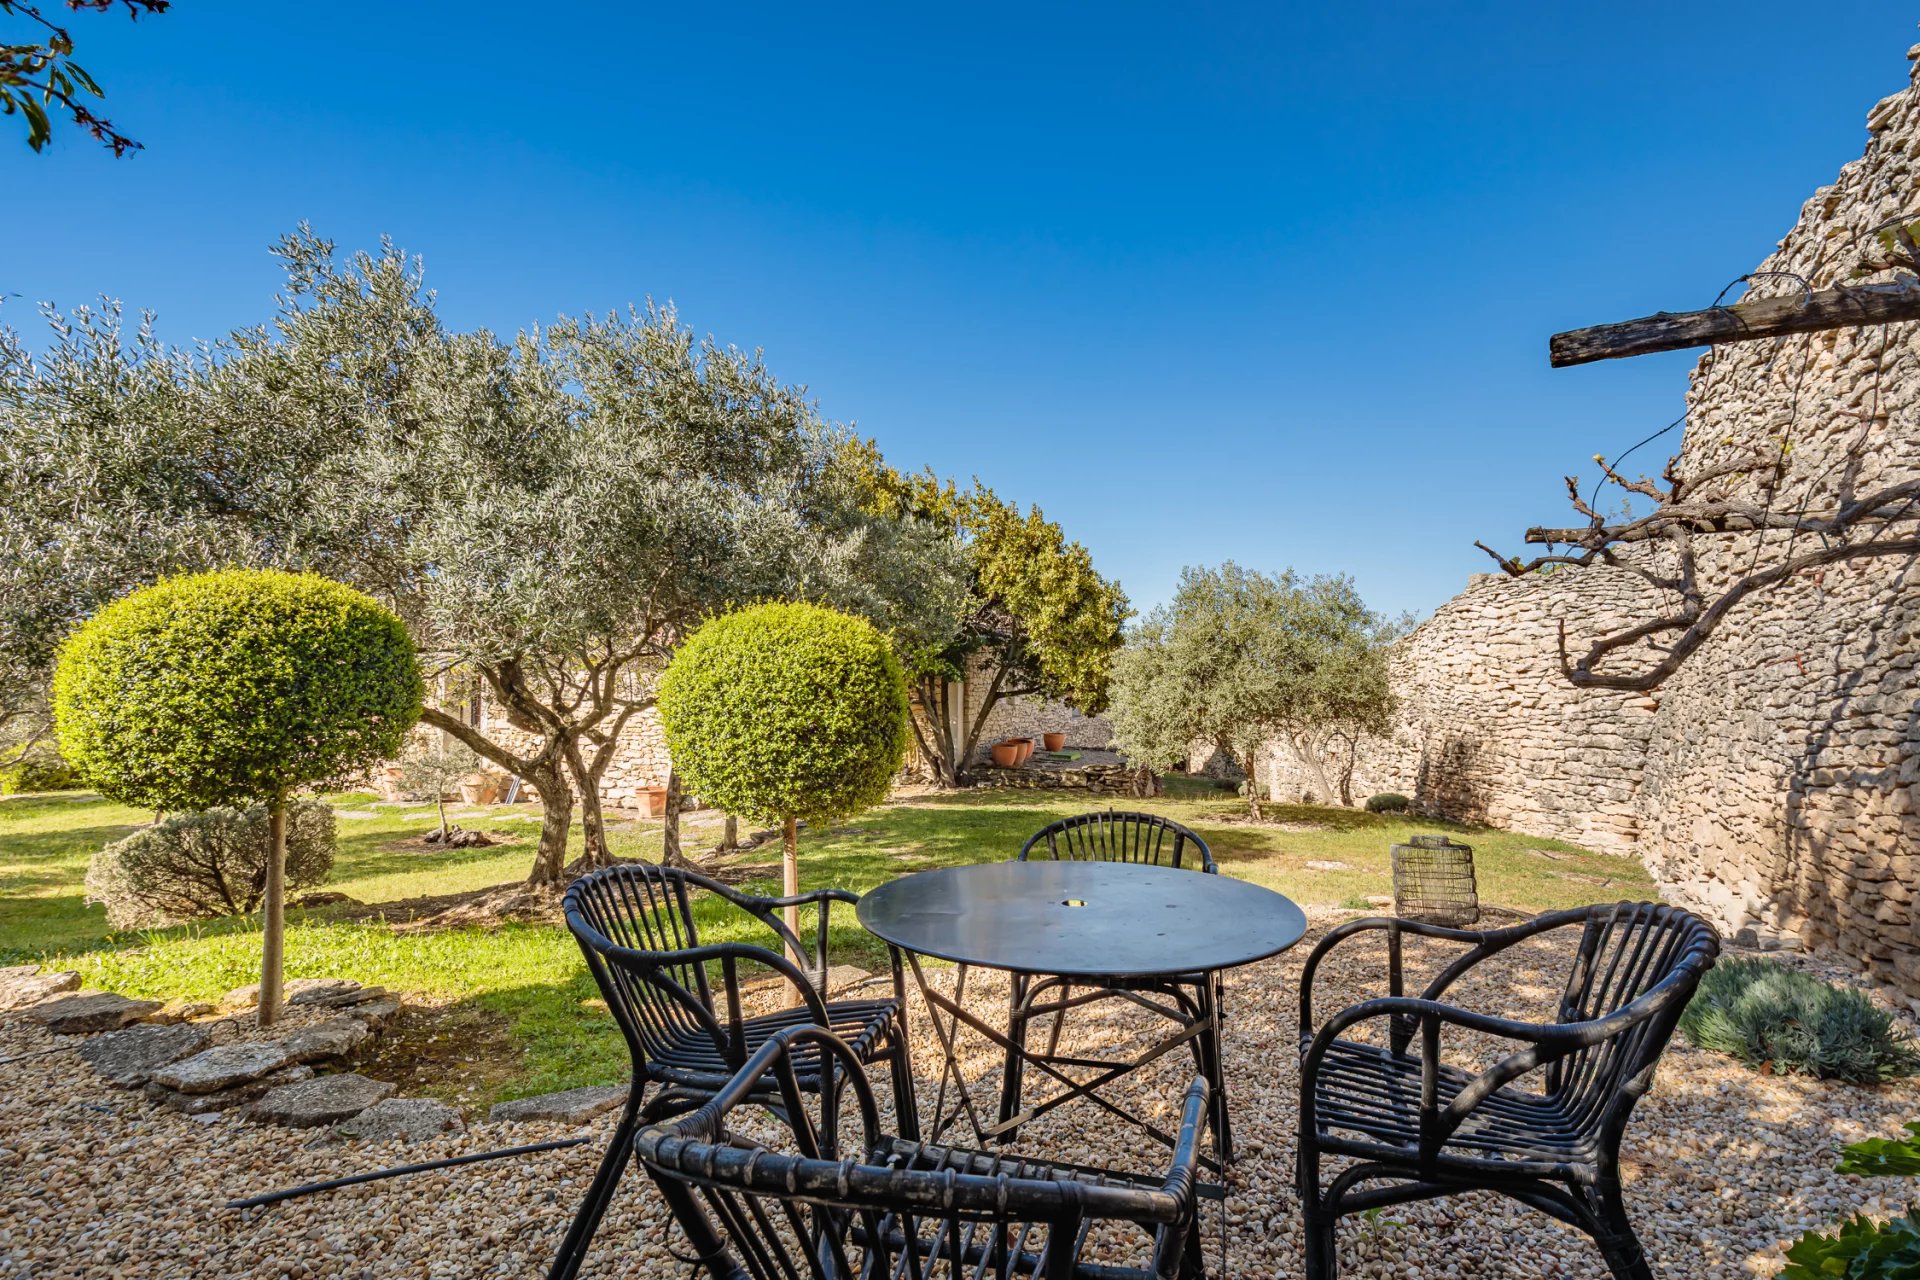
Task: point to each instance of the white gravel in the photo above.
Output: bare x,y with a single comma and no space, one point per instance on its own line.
1724,1166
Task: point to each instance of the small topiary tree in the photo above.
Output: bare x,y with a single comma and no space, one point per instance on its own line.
786,713
1388,802
233,688
194,866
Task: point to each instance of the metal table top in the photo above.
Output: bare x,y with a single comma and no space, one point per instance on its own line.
1083,919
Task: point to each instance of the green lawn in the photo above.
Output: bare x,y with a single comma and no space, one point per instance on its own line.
522,992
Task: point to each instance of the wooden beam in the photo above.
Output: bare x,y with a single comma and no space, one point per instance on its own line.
1796,312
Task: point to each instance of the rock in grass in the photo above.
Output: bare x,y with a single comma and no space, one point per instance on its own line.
92,1011
321,1100
295,991
207,1104
334,1038
224,1066
130,1056
401,1120
571,1106
23,985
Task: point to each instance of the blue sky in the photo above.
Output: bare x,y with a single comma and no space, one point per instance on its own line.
1268,282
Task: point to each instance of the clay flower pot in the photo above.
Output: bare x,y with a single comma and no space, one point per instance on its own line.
651,801
1026,749
1053,741
1006,754
479,788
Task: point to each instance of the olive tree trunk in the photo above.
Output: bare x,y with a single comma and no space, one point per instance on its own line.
671,854
273,913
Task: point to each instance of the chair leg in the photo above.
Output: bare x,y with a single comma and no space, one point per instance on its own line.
906,1108
1318,1224
1616,1238
573,1250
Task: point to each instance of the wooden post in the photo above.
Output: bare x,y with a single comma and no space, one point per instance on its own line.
790,885
274,913
1800,311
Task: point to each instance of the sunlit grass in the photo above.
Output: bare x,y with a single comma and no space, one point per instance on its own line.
532,977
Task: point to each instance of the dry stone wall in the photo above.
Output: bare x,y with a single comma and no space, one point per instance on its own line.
1774,781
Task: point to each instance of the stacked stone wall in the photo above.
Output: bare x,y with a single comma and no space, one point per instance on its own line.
1773,782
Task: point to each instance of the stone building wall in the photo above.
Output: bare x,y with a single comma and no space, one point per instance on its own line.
1774,781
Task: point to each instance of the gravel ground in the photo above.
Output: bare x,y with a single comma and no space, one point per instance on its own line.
1724,1166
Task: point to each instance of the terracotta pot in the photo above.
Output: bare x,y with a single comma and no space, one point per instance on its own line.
651,801
479,788
1006,754
1026,748
1053,741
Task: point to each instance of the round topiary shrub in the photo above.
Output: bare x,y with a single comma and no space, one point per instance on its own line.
1387,802
786,713
39,771
235,688
197,866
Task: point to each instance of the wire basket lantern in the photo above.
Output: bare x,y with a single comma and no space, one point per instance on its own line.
1433,881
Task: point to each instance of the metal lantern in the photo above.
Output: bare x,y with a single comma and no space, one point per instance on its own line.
1433,881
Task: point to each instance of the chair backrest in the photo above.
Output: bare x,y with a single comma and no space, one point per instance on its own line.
829,1197
1111,836
1638,963
635,924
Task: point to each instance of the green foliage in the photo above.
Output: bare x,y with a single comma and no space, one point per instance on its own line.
1859,1249
197,866
1388,802
1239,657
41,73
1884,1157
235,686
1761,1012
39,771
786,711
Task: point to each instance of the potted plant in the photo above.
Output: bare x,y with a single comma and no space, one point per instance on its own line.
1026,749
1006,753
1053,741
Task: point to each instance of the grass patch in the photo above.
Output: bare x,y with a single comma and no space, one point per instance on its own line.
521,993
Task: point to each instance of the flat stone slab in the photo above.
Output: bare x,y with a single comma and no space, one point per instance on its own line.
401,1120
321,1100
1324,864
375,1013
23,985
571,1106
92,1011
130,1056
334,1038
224,1066
206,1105
294,991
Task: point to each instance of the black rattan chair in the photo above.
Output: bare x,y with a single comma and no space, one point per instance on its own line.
822,1203
1111,836
678,1003
1420,1128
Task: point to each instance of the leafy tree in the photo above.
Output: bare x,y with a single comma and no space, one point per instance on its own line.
236,688
430,769
548,514
41,73
1038,621
787,713
1239,658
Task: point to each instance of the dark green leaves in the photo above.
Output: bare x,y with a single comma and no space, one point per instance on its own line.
1860,1249
1884,1157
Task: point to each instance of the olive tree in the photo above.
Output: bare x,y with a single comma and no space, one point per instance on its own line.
787,713
1239,658
236,688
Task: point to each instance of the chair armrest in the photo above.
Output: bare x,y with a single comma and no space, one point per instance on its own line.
766,909
646,965
1170,1240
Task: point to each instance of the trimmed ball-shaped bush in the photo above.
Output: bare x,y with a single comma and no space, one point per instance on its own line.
231,687
1387,802
786,711
196,866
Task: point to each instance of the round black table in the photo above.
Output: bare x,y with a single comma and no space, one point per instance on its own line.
1110,928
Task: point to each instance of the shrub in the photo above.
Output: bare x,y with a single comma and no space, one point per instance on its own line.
38,772
235,688
1766,1013
196,866
1860,1248
1388,802
786,711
